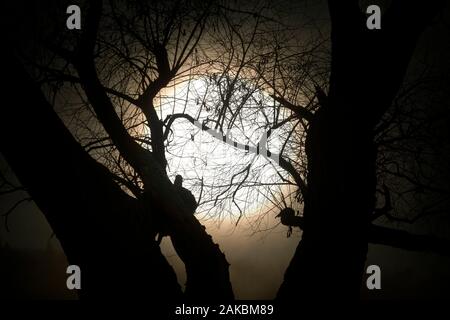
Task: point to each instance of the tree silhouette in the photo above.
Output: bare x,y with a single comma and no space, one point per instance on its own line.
340,198
338,122
344,146
155,203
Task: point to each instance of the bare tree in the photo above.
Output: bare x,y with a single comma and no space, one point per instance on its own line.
344,149
115,76
230,97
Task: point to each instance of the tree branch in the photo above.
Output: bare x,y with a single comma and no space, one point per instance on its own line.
286,165
84,63
408,241
300,111
387,205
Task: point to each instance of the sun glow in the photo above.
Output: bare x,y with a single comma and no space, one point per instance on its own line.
231,184
226,181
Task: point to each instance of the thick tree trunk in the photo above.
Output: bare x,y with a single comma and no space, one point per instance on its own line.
341,185
107,233
101,229
367,69
206,266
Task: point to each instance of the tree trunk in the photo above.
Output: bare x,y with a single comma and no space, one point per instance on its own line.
329,260
206,266
367,70
101,229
